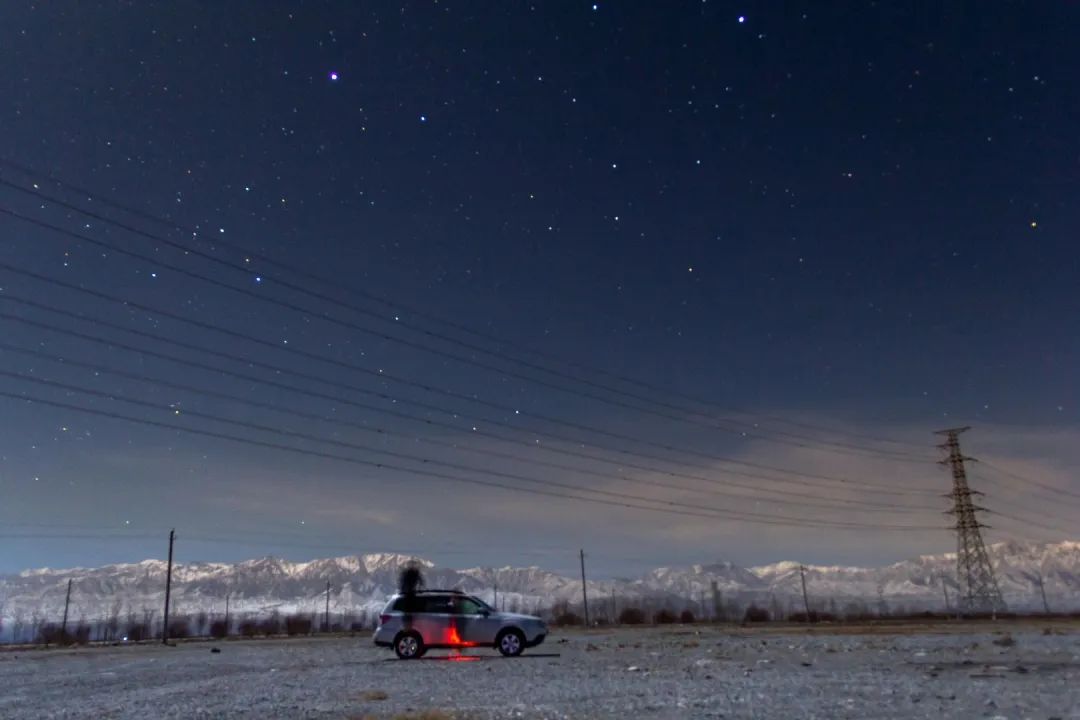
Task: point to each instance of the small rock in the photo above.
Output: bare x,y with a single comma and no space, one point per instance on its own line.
633,668
807,664
215,650
1005,640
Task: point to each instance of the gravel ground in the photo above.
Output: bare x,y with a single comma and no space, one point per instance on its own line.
644,673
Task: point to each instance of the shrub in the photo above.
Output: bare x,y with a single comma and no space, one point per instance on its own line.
179,628
298,625
249,628
271,625
756,614
136,632
81,634
812,617
631,616
568,618
50,634
686,617
218,629
664,617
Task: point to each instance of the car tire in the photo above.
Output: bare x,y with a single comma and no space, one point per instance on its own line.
409,646
510,643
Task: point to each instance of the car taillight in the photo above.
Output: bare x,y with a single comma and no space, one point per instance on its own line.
383,619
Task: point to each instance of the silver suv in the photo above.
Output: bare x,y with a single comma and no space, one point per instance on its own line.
412,624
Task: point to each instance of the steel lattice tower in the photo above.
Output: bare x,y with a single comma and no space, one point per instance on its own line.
979,590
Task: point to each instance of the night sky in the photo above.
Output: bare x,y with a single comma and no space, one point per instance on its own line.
811,233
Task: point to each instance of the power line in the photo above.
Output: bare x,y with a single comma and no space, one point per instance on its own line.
797,441
1017,495
805,499
444,476
387,453
304,289
1029,481
428,421
1027,521
350,366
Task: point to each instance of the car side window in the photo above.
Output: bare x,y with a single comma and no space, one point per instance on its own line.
466,606
438,604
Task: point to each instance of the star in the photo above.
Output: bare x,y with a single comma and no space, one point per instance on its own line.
333,76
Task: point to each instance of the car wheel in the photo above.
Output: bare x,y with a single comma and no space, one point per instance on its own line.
409,646
511,643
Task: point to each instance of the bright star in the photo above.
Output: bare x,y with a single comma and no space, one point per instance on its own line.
423,118
333,75
742,18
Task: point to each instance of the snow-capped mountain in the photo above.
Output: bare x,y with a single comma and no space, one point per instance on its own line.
359,585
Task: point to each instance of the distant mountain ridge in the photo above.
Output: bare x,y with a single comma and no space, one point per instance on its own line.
360,584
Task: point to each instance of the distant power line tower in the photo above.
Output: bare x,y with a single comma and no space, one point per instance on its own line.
979,590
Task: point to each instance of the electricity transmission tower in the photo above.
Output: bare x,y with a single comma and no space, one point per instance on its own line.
979,590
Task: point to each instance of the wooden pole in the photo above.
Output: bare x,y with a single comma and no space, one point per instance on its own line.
168,590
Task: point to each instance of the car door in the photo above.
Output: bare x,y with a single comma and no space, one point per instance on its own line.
434,620
477,625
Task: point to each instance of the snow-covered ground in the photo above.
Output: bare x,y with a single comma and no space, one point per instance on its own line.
655,673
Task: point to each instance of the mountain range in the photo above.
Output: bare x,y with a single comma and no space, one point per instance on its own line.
360,585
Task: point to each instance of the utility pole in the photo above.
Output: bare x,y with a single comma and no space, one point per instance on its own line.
1042,589
227,614
805,597
715,600
883,607
945,590
584,593
979,591
326,618
168,590
67,604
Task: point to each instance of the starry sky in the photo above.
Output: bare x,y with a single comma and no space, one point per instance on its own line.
614,247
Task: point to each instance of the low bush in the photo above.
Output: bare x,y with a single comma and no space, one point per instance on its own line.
179,628
219,629
664,617
756,614
298,625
